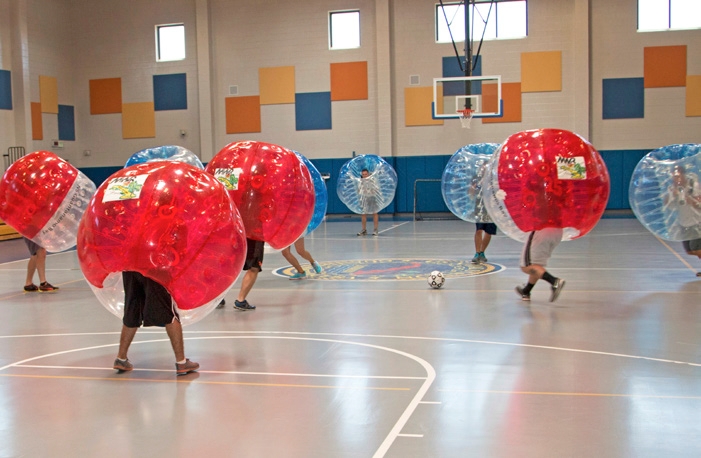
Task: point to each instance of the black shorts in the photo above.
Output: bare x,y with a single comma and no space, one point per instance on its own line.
254,254
489,228
692,245
146,302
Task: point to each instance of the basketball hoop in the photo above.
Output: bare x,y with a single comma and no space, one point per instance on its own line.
466,117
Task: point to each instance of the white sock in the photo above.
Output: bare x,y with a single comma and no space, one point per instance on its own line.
183,361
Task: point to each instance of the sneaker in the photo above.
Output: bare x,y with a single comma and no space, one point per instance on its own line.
298,276
123,366
476,258
46,286
483,258
221,304
186,367
524,296
556,289
362,233
698,274
31,288
243,305
375,233
317,267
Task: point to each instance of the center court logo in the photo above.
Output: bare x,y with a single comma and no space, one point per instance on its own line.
393,269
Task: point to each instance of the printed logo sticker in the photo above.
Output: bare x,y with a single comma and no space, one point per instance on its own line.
571,168
124,188
229,178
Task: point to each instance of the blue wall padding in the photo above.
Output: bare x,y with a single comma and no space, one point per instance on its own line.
620,164
5,90
313,111
623,98
66,122
170,92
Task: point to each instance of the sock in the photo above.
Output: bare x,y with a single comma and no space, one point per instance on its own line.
527,289
122,360
549,278
183,361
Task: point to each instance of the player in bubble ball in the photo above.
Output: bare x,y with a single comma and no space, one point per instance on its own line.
536,252
368,190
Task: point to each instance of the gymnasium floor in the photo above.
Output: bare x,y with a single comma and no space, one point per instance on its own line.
349,364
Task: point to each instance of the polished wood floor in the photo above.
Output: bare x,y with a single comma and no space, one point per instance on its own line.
352,368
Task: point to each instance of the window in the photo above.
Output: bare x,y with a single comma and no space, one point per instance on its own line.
170,42
493,19
656,15
344,29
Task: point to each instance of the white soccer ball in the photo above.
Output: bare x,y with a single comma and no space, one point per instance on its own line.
435,279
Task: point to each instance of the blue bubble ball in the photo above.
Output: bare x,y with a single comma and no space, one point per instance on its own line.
366,196
665,193
321,196
165,153
461,184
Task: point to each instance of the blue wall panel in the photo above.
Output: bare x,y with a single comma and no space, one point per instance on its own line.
66,122
170,92
5,90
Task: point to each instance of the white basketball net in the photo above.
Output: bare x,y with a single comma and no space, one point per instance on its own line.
466,117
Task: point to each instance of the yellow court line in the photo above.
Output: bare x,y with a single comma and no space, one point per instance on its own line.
554,393
185,380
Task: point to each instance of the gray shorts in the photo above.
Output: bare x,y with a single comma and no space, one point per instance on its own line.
540,246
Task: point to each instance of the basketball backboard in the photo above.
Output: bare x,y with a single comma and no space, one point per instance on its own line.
482,94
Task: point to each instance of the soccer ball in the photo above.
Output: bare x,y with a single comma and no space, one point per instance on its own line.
435,279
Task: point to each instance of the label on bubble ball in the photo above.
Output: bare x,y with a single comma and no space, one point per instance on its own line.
571,168
124,188
229,178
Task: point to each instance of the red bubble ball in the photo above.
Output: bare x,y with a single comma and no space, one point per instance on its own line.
170,221
546,178
271,188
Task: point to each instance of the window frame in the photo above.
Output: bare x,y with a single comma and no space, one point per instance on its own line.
157,29
669,7
438,16
331,31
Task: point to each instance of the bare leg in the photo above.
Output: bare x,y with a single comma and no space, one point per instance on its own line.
486,238
363,221
125,340
287,254
535,273
478,240
41,264
299,246
247,283
31,268
175,334
375,221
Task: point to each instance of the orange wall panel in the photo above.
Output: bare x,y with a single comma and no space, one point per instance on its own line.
665,66
349,81
511,95
106,96
242,114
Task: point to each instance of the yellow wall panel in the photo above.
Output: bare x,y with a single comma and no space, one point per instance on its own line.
138,120
277,85
693,95
417,106
541,71
48,94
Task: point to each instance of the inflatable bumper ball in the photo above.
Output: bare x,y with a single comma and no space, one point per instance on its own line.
169,221
165,153
271,188
546,178
321,196
366,196
665,193
461,184
43,198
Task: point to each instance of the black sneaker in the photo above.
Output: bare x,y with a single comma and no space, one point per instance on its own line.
243,305
47,287
524,296
31,288
123,366
186,367
556,289
221,304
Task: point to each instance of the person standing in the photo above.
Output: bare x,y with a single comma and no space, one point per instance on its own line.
37,264
299,247
483,235
148,303
367,191
536,252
